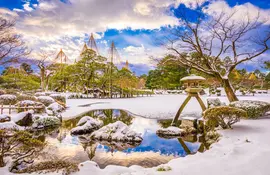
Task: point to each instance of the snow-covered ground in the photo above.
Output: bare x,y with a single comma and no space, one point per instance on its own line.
242,150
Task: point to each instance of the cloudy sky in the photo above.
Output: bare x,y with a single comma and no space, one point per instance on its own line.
134,25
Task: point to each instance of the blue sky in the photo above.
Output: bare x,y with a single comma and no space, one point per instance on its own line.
134,25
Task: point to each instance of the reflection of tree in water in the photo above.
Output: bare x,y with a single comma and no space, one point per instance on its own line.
165,123
88,145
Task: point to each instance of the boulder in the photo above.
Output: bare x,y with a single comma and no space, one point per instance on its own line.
117,131
8,99
254,109
171,131
4,118
56,108
46,100
213,102
86,125
24,118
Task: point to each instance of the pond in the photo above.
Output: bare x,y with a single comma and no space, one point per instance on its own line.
152,151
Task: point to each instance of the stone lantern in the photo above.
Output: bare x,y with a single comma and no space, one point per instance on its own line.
193,89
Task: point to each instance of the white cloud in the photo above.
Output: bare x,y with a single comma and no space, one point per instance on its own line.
27,7
241,12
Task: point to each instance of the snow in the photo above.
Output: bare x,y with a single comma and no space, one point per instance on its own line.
46,100
86,125
170,131
21,115
43,121
193,77
8,97
10,125
117,131
56,108
243,150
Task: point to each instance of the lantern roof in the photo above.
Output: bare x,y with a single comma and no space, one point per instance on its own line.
193,78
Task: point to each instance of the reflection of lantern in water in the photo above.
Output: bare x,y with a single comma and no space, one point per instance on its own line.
193,88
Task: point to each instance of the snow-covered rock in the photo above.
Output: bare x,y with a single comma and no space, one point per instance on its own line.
41,121
213,102
254,109
170,131
46,100
10,125
86,125
40,94
117,131
4,118
24,118
56,108
7,99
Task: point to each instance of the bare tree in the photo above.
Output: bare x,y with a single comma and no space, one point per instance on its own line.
216,44
11,45
43,62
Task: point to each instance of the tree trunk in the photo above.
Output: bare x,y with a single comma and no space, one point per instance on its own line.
2,163
42,79
229,90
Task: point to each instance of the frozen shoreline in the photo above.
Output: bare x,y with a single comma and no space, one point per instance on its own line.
242,150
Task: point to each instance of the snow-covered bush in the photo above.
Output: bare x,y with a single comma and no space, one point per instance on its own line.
56,108
59,98
117,131
40,94
41,122
170,131
7,99
39,107
213,102
26,97
46,100
4,118
254,109
86,125
24,118
223,116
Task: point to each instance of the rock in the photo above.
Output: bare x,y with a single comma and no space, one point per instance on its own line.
214,102
11,125
117,131
4,118
24,118
254,109
46,100
170,131
41,122
8,99
56,108
86,125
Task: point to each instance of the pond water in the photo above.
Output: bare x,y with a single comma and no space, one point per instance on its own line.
152,151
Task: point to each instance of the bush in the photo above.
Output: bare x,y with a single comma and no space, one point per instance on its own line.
26,97
59,98
46,100
254,109
8,99
30,103
223,116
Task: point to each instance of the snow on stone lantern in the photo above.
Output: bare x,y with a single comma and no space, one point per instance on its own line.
193,89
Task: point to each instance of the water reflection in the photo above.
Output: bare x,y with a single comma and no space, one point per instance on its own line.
152,151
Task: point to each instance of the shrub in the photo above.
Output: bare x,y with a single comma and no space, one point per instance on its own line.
26,97
254,109
52,166
46,100
7,99
223,116
59,98
29,103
